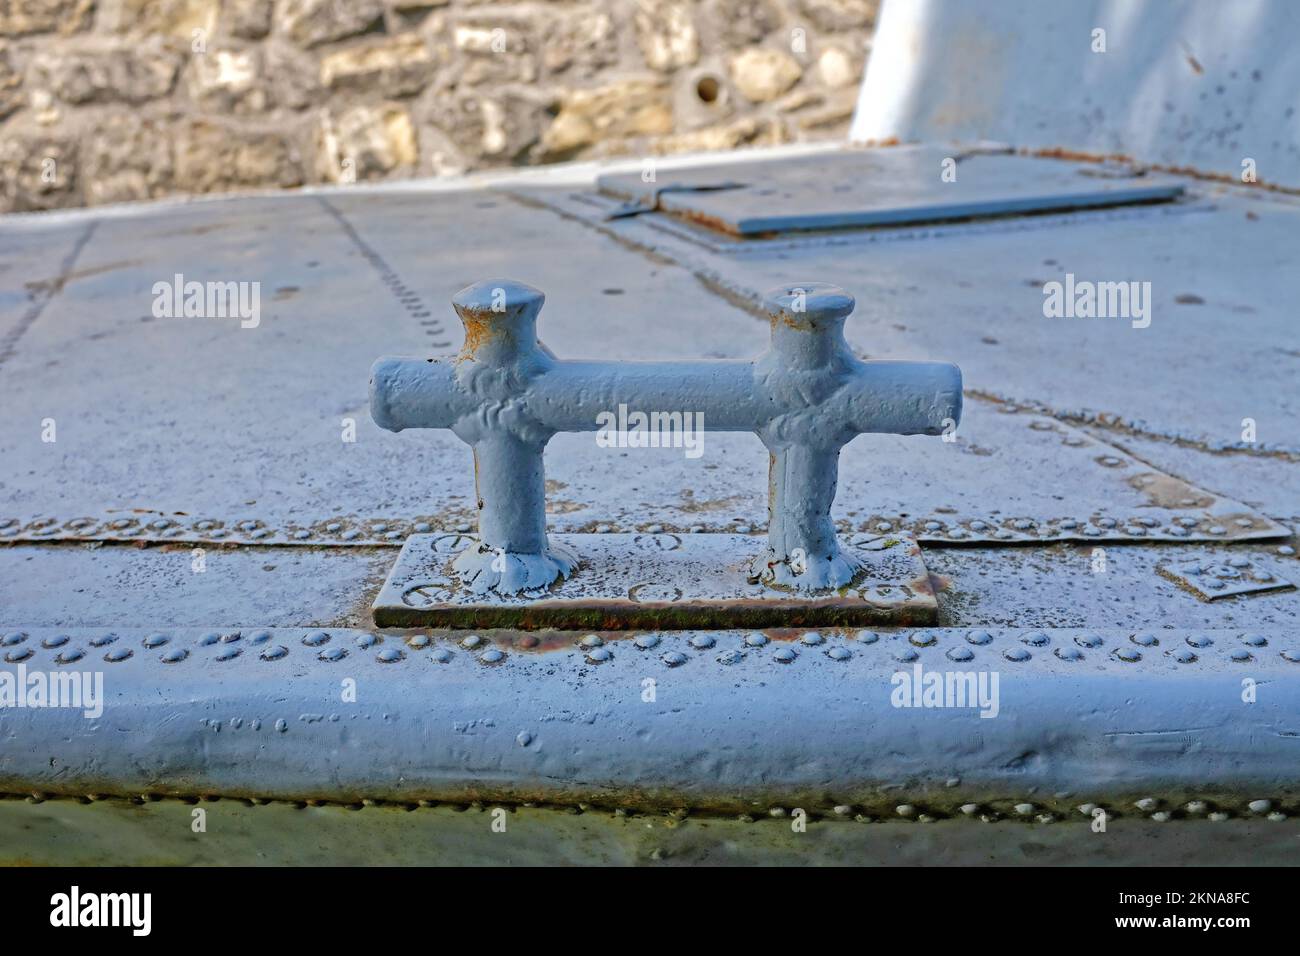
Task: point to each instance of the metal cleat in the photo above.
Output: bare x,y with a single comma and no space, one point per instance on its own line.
807,396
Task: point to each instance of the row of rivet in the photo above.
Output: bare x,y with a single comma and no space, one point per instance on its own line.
1148,807
16,650
975,530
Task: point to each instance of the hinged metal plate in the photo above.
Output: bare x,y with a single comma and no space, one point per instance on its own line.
656,581
883,187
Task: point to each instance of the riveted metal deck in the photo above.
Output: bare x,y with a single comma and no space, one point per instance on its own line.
1089,458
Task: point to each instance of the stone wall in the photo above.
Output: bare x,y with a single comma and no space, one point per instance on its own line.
110,100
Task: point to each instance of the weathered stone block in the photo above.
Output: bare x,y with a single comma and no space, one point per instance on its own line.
127,158
746,22
246,19
580,42
397,66
186,20
311,22
228,81
11,95
212,157
24,17
637,107
38,171
365,142
839,67
489,49
489,128
666,33
831,15
105,72
761,74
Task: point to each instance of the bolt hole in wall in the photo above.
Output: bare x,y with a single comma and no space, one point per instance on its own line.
707,89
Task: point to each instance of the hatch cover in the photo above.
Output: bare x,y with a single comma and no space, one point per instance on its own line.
883,187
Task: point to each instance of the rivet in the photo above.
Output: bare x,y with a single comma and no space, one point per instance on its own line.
365,641
524,738
118,654
1260,806
156,640
730,657
282,725
591,640
970,809
229,653
1024,809
103,640
1161,816
647,641
1185,656
1016,654
1089,640
906,655
960,653
868,637
208,639
230,637
785,655
529,641
389,655
1286,550
598,655
12,638
492,656
1218,816
316,639
1197,806
1254,640
1035,639
1144,640
1069,653
442,655
175,655
702,642
274,653
335,653
839,653
812,639
1291,654
979,638
905,810
1087,808
1200,640
71,655
18,655
674,658
1022,524
1147,804
922,639
1277,816
55,640
755,639
418,641
1240,654
1128,655
1046,818
1217,529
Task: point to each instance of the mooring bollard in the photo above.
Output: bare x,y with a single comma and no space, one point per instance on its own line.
807,396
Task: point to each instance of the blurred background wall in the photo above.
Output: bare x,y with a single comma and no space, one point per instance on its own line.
111,100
